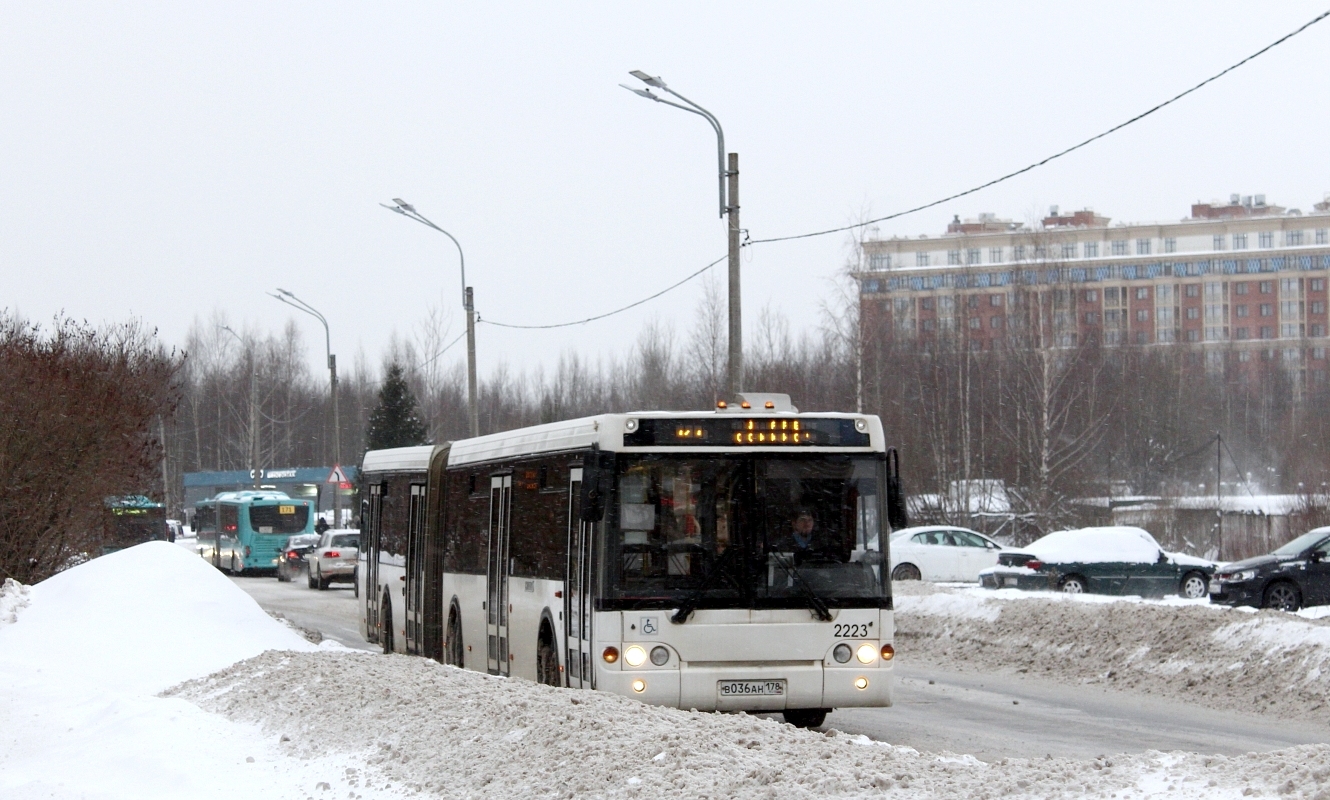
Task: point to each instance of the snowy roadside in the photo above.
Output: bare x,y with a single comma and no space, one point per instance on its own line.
1267,662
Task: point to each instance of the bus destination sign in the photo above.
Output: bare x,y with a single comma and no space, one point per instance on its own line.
732,431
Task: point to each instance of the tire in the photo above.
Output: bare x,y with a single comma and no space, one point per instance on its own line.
236,568
806,717
1283,596
309,579
386,625
454,652
547,661
903,572
322,582
1073,584
355,583
1194,586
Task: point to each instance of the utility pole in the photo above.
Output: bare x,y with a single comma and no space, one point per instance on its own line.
1219,499
734,369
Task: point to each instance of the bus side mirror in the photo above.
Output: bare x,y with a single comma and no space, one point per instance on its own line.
597,472
897,515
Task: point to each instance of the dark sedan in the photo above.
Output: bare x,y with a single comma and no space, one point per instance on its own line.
1293,576
292,561
1112,560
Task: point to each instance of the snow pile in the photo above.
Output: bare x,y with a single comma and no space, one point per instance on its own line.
444,732
1267,662
80,667
13,597
1122,544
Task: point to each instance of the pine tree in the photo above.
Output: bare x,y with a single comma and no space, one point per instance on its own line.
395,421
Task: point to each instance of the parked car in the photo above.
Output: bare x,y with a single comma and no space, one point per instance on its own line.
1293,576
941,553
334,559
292,560
1114,560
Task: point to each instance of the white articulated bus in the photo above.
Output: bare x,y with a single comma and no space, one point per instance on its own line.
726,560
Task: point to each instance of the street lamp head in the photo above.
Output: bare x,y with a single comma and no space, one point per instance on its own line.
641,92
647,79
285,292
405,206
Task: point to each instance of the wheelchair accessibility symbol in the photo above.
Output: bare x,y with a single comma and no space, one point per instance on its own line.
649,626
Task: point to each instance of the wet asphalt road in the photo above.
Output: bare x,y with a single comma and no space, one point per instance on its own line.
989,716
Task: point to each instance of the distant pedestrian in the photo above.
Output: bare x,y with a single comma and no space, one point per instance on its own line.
321,526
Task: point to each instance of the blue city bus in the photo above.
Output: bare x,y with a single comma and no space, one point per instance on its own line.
245,531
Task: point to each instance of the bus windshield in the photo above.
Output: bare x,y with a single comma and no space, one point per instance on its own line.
756,531
284,518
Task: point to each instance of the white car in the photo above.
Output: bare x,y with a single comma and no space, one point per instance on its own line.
334,559
941,553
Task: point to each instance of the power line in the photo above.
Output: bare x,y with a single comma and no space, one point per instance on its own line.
947,199
607,313
1057,155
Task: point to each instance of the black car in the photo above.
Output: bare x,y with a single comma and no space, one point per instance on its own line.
292,560
1295,575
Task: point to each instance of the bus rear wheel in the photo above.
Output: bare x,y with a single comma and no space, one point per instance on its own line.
806,717
547,660
453,653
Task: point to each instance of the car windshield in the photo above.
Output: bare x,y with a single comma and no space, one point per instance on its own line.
781,531
1303,543
345,540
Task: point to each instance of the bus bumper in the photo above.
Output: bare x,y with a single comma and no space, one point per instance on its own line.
807,685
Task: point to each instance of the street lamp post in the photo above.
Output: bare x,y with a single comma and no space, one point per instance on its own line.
295,302
468,305
728,176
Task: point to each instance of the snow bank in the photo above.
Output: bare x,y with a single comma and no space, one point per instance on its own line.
80,665
443,732
13,597
1266,662
1121,544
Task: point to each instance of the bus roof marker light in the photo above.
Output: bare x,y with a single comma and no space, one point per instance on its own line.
861,425
630,425
770,404
745,404
722,404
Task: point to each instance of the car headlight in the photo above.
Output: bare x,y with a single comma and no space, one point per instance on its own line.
1236,577
634,656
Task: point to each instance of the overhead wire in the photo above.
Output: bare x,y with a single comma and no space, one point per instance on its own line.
947,199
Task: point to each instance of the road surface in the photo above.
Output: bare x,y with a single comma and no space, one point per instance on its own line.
989,716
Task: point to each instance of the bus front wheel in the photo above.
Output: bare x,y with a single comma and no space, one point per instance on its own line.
806,717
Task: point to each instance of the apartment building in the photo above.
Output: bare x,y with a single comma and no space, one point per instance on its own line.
1243,280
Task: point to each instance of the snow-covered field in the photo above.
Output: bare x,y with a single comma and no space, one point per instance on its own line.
147,674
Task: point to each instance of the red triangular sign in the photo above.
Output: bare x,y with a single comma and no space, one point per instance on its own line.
337,476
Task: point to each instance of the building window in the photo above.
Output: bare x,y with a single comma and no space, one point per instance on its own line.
921,259
972,301
1266,287
1192,290
1240,311
995,254
1141,337
1318,307
1164,315
1267,332
1240,333
976,323
1164,293
972,256
1040,252
1142,247
953,257
927,324
1120,247
1214,312
926,303
1239,288
995,300
1069,250
1091,296
1318,284
1239,241
1267,309
1170,245
1293,238
1142,292
1214,334
902,305
1288,285
1214,290
1323,235
995,322
1111,295
1091,249
1018,252
879,261
1193,313
1143,315
1091,318
1193,336
1266,238
1288,331
1288,309
945,303
1318,353
1317,330
1219,241
1166,335
1112,316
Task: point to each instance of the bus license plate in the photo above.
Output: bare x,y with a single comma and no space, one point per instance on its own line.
750,688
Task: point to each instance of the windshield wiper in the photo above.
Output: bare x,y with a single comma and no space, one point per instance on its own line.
718,570
815,603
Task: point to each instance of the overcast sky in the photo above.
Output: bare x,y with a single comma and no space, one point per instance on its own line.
167,159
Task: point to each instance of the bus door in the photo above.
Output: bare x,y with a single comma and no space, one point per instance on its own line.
496,603
577,590
374,527
415,569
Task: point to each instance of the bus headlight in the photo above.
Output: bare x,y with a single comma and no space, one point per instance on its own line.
635,656
866,653
659,656
841,653
610,655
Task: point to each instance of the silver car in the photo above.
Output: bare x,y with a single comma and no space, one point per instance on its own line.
334,559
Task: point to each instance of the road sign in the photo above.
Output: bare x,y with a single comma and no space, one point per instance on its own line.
337,476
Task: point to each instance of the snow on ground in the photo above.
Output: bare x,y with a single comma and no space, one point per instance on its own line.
88,709
1268,662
